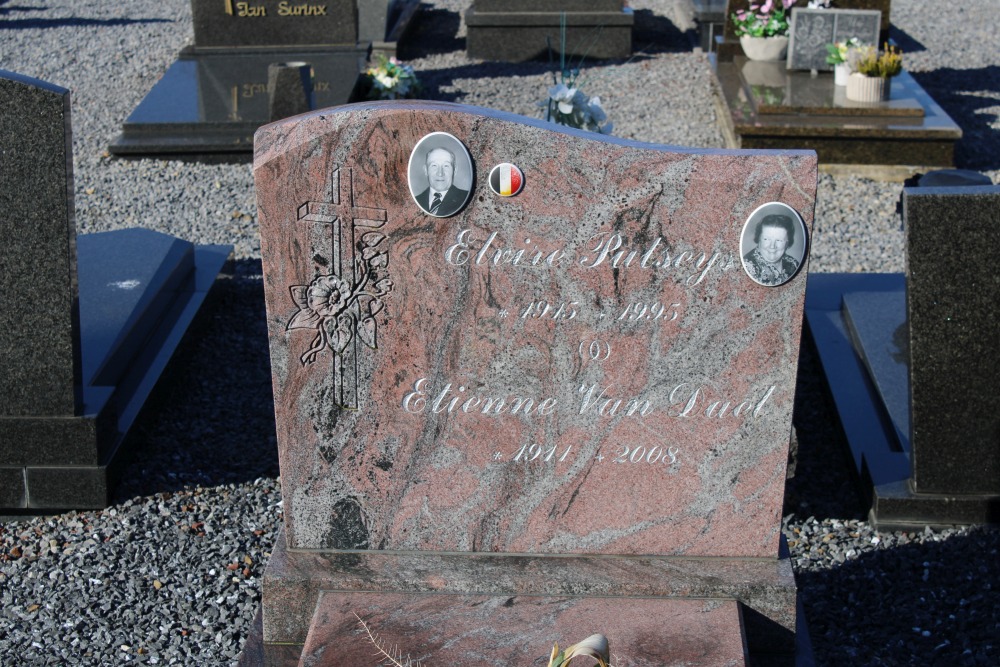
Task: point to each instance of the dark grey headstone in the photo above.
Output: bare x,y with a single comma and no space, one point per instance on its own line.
280,23
812,29
952,178
87,324
953,289
548,5
289,89
39,360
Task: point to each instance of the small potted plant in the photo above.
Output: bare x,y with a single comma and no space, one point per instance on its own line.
870,72
763,29
837,56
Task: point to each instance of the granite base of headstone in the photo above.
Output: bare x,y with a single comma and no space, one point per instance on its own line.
217,93
561,407
521,30
911,361
765,105
87,323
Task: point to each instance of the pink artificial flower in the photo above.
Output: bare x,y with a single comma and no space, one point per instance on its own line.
741,15
753,8
787,3
768,7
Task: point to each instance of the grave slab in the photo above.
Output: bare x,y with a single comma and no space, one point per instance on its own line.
211,104
865,328
216,93
114,305
576,380
518,630
764,105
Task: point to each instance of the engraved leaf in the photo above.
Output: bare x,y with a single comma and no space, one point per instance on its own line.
383,287
304,319
375,306
372,239
340,332
368,253
380,260
367,329
300,295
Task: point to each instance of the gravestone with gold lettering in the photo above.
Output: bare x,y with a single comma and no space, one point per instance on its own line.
496,343
218,91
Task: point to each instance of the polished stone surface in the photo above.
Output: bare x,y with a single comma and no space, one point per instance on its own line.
212,104
139,292
624,394
765,106
39,356
575,392
878,328
521,36
883,466
277,23
765,588
952,295
521,629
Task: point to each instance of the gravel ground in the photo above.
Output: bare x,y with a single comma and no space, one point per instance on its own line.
170,573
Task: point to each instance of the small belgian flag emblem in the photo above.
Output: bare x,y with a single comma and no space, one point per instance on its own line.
506,180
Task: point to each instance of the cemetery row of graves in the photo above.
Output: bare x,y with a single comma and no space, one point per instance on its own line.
527,378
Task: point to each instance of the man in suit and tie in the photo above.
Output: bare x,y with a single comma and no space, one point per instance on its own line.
442,198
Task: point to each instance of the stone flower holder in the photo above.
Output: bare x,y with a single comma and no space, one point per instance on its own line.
764,48
861,88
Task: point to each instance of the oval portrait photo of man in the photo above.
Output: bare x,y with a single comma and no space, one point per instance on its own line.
773,244
440,174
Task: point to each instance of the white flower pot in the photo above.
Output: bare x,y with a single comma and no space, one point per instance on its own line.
861,88
841,73
764,48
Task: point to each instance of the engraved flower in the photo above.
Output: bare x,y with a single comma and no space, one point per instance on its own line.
328,295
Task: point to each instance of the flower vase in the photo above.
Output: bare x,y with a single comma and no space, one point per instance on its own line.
764,48
871,89
841,72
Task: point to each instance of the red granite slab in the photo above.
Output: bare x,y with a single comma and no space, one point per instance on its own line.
520,630
661,430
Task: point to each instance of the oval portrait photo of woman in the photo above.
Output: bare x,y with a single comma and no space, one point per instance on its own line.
773,244
440,174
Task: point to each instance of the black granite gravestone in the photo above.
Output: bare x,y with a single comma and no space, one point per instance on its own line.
520,30
87,323
270,23
912,363
216,94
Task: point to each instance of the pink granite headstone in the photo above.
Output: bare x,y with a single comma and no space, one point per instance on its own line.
584,367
